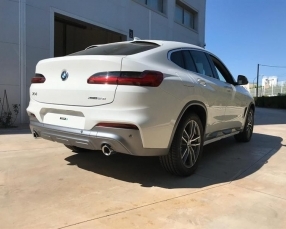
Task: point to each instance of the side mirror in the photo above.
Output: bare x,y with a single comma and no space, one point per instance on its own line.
242,80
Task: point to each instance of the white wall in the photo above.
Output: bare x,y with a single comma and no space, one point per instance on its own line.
26,38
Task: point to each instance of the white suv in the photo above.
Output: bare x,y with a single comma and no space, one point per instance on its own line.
143,98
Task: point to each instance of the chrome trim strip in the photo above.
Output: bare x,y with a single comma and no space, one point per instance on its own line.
220,137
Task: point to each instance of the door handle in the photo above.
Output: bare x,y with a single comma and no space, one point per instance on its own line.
202,82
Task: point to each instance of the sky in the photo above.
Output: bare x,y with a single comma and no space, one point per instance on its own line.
244,33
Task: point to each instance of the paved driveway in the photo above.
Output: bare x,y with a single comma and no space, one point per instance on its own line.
45,185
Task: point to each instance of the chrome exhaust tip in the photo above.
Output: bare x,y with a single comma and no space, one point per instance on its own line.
107,150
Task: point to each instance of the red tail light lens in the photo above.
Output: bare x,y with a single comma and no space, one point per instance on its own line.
146,78
117,125
38,78
104,78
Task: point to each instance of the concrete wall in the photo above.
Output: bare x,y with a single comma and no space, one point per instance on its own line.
27,33
9,51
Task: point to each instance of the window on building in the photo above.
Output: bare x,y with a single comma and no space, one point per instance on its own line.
71,35
185,15
157,5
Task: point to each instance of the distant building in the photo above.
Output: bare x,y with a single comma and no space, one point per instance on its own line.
269,81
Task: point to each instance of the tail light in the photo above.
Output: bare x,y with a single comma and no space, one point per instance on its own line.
38,78
117,125
104,78
146,78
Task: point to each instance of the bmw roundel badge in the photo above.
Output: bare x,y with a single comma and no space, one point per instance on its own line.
64,75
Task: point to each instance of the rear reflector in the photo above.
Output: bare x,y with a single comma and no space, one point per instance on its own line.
117,125
146,78
38,78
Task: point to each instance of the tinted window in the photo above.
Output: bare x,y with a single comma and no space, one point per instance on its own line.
189,63
118,49
185,15
202,63
154,4
178,59
222,73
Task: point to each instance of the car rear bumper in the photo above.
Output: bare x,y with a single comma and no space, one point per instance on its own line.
121,140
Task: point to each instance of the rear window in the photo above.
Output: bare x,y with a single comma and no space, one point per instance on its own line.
178,59
118,49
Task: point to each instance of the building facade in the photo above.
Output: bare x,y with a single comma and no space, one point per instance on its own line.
32,30
269,81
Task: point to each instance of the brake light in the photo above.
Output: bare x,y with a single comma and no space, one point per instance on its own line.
38,78
146,78
117,125
104,78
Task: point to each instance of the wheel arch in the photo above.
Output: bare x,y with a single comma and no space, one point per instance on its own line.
252,106
196,107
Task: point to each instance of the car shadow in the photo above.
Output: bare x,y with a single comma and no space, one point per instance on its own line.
223,161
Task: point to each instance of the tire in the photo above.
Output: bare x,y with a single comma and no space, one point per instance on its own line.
186,149
246,134
77,149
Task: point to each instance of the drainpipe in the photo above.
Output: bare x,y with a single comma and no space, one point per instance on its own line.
150,25
22,59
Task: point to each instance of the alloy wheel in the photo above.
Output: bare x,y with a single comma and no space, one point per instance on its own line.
190,144
249,126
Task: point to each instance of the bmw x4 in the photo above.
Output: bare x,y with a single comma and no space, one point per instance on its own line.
143,98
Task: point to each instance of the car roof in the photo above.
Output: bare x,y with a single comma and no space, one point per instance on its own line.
170,44
162,43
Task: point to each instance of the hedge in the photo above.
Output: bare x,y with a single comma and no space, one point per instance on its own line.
271,102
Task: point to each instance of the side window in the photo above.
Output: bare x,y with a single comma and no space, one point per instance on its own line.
221,71
189,63
220,75
178,59
202,63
